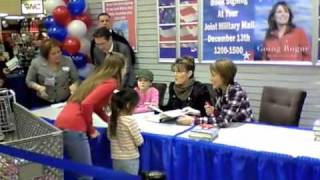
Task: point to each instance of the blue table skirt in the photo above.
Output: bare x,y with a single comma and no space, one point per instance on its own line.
204,160
155,153
185,159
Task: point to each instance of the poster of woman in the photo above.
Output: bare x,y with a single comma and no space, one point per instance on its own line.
284,40
257,31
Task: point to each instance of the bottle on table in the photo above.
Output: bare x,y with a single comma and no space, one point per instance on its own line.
316,129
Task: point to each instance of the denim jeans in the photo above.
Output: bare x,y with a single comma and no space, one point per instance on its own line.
77,147
130,166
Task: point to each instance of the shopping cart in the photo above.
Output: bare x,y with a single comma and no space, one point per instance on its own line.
7,118
21,129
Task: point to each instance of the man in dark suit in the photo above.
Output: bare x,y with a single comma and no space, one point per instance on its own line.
105,44
104,20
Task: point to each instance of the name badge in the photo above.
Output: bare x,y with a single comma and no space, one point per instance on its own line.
49,81
66,68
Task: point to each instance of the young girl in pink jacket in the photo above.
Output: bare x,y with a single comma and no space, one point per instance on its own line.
148,94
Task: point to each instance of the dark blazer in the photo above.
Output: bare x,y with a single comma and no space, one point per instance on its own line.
197,99
119,47
123,40
118,38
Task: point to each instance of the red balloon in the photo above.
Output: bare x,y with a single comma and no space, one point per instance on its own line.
71,45
61,15
85,17
66,1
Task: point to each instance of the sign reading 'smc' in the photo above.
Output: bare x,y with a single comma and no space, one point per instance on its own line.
32,7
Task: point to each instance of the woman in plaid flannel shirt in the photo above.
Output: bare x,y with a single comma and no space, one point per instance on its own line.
231,103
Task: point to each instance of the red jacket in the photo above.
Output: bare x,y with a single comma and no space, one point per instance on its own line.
78,117
293,46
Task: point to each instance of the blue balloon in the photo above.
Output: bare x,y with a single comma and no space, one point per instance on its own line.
76,7
65,53
85,71
79,60
49,22
57,32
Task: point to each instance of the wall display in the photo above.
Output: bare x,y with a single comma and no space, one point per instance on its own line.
189,28
318,58
178,29
123,15
257,31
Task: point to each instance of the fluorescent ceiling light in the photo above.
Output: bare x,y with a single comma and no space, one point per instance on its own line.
3,14
14,17
41,15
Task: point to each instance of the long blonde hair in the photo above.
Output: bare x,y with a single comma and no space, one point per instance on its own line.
111,68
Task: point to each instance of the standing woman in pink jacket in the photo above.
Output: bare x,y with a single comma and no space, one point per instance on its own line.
148,95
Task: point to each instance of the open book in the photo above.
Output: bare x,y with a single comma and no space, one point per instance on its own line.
174,114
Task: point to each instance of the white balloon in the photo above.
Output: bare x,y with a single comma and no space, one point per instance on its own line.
85,46
77,28
50,5
4,24
86,71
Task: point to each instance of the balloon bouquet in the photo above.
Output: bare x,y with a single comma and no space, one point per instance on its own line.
68,22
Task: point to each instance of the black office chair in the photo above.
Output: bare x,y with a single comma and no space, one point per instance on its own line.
162,87
281,106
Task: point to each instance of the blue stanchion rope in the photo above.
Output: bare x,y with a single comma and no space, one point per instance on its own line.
93,171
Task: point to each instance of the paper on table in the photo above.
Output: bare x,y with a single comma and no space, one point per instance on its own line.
173,113
148,117
58,105
47,112
165,115
149,122
98,122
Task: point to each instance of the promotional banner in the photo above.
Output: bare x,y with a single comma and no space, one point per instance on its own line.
31,6
257,31
123,15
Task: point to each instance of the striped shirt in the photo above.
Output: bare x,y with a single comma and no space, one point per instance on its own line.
128,137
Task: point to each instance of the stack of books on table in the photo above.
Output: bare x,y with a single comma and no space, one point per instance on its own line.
204,132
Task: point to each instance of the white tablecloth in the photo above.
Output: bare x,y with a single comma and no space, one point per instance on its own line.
294,142
146,121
